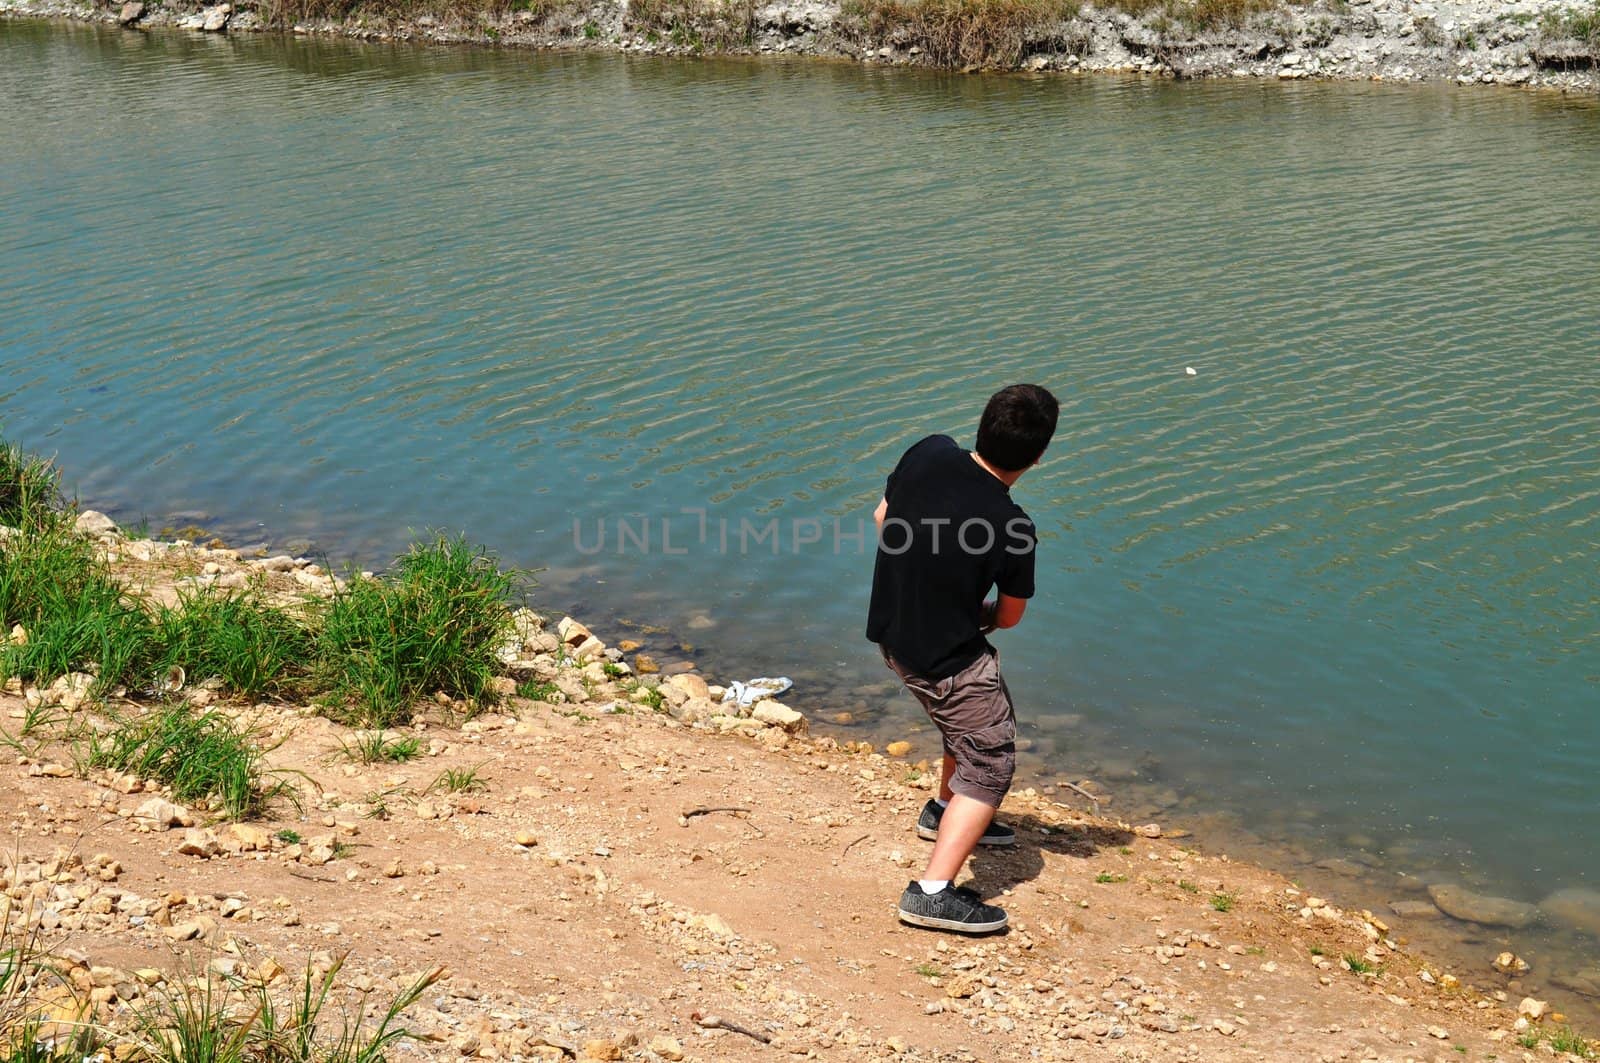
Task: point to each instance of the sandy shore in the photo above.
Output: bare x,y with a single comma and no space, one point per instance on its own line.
643,874
1526,43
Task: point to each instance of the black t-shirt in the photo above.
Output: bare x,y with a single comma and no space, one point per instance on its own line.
951,532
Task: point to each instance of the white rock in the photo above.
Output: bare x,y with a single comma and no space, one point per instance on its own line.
92,522
691,684
201,843
777,714
164,814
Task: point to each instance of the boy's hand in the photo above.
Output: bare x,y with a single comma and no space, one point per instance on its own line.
986,617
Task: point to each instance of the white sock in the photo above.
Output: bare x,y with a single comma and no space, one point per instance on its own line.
930,886
941,802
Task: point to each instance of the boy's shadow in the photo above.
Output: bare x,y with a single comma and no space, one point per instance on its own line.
997,868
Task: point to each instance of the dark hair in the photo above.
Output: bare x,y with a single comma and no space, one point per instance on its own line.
1017,426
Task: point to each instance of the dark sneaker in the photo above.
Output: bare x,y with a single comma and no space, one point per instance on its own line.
952,908
995,833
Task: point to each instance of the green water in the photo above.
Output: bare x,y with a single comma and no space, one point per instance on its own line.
1340,583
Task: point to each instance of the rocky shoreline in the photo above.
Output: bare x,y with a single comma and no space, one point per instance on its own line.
625,866
1529,43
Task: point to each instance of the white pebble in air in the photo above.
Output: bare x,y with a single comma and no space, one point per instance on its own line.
1190,370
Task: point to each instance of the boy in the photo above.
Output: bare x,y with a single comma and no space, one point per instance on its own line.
947,532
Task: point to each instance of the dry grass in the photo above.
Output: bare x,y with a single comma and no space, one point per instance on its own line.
286,13
711,25
962,33
1575,24
1001,34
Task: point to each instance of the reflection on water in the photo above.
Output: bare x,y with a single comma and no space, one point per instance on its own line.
1338,584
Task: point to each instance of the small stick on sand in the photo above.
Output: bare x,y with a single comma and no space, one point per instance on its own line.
853,844
1085,794
685,817
714,1022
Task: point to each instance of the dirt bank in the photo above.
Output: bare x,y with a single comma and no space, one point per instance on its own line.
622,868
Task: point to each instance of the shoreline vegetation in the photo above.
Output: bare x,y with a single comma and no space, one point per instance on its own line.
1535,43
185,708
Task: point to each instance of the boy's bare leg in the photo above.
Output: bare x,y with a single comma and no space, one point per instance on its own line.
963,823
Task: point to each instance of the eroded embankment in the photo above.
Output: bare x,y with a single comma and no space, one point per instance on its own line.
1543,43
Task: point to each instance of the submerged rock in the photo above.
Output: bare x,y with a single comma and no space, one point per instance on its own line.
1472,907
1576,906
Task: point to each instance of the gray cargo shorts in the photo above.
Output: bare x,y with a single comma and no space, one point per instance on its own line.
973,712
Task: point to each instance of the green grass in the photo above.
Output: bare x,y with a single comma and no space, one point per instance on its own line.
30,490
375,747
458,781
77,618
1106,877
207,1020
1357,965
1188,887
28,974
537,690
432,626
302,1034
288,836
256,650
1565,1039
201,755
1223,901
1316,950
930,970
195,1019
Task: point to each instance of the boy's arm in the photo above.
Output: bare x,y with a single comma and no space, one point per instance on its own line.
881,512
1002,611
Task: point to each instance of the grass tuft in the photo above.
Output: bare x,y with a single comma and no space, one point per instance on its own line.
76,617
433,626
1224,901
458,781
1564,1039
255,649
200,755
375,747
30,490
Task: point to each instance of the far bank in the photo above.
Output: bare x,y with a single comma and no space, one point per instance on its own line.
1551,44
